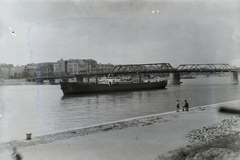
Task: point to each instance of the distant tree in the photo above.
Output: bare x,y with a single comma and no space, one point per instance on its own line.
19,75
15,75
25,74
11,77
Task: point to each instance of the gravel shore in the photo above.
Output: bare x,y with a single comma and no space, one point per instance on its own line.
208,134
220,141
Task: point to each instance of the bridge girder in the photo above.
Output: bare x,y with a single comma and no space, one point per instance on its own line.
218,67
143,68
132,68
149,68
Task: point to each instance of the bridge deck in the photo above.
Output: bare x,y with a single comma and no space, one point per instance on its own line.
151,68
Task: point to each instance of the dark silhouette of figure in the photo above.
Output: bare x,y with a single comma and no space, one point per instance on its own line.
16,155
177,105
183,107
186,105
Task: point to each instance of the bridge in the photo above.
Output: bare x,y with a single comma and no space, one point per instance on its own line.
155,68
207,69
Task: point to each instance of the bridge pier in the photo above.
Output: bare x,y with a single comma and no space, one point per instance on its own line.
52,81
64,80
79,79
174,78
140,78
234,77
39,81
96,79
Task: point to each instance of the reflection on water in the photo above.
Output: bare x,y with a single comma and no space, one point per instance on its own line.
41,109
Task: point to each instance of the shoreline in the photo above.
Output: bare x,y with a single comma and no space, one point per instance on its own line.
126,120
102,127
92,129
153,134
82,131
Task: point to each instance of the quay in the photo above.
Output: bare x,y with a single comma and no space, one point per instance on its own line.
142,138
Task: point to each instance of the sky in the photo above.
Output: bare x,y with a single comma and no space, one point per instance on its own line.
120,31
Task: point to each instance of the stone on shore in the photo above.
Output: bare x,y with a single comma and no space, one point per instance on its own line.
213,154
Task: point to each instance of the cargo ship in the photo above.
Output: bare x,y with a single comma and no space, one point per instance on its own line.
112,84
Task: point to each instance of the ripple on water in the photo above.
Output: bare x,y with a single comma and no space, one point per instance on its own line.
42,109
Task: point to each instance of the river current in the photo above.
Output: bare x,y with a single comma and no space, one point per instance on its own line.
42,109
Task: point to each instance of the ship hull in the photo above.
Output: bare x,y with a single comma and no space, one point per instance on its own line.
82,88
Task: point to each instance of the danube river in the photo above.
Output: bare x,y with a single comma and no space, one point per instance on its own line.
42,109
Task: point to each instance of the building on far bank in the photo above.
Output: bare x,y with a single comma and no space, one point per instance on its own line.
34,70
52,69
30,70
90,64
73,66
5,72
2,65
5,68
45,69
106,67
9,71
59,68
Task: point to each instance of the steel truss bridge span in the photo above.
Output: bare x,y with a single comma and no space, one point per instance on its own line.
159,68
143,68
132,69
165,69
219,67
183,71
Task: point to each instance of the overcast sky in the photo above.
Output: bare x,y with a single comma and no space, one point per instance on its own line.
120,31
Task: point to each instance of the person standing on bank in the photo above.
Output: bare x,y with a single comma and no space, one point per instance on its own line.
177,105
183,107
186,105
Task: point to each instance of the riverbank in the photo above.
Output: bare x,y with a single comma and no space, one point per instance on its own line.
9,82
139,138
16,82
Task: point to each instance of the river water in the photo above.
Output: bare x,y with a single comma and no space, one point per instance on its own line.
42,109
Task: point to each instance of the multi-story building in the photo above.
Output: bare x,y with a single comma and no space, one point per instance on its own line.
56,69
34,70
90,64
30,70
45,69
5,72
5,65
73,66
59,67
5,68
106,67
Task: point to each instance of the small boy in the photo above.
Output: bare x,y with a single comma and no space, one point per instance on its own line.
177,104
